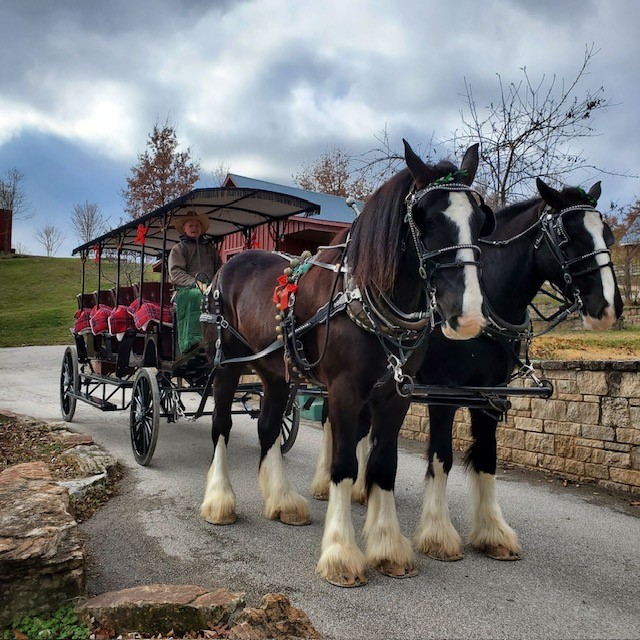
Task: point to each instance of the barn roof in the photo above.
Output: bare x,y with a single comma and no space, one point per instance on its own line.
332,208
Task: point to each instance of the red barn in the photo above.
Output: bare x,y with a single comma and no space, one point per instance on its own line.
298,232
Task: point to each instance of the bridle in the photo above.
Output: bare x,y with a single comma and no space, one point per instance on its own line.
554,234
427,265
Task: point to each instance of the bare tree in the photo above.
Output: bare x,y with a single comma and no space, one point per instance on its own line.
21,249
334,174
530,131
87,221
219,173
625,224
162,174
13,196
50,237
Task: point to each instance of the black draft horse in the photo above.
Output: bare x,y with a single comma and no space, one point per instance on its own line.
413,247
559,237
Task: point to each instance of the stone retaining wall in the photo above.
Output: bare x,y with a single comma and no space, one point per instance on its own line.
589,430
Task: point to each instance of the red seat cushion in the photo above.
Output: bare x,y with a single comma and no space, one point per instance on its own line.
98,319
120,321
81,324
145,312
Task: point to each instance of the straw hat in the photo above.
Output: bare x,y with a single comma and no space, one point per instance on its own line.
180,221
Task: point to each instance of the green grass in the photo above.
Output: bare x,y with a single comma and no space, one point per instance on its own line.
38,297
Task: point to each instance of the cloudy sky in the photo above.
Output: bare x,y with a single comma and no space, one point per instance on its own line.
267,85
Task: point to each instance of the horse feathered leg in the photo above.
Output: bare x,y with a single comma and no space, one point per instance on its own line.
219,503
388,550
490,533
322,476
435,534
341,562
281,501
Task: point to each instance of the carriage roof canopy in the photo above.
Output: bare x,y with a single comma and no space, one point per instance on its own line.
229,210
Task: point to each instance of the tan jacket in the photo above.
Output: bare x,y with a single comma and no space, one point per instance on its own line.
187,259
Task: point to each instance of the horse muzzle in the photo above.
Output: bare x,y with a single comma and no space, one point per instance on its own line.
464,327
606,320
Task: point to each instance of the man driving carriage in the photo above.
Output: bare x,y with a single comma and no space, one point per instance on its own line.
192,264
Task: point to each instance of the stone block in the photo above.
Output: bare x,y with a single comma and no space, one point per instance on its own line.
626,476
598,471
553,463
615,413
274,618
592,382
575,467
565,446
616,486
161,608
562,428
631,435
598,432
617,446
504,454
583,412
567,387
41,555
635,458
528,424
513,438
539,442
412,423
587,442
419,409
464,432
520,403
548,409
526,458
630,384
584,454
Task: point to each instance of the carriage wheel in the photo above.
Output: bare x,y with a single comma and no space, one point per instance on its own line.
69,383
144,416
289,429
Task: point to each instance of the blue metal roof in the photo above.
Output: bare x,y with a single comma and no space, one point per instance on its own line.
332,208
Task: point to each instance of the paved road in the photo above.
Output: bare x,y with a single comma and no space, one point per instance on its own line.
580,577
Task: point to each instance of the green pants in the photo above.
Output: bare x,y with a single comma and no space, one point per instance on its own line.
188,304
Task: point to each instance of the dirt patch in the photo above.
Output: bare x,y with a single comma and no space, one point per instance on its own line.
30,441
561,348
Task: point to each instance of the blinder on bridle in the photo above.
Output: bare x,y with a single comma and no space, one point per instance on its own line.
555,233
428,264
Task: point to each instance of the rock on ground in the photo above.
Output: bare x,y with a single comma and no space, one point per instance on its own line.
41,555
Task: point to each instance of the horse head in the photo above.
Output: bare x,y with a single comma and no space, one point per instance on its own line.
449,221
577,252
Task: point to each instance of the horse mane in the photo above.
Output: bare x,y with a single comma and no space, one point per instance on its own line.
375,248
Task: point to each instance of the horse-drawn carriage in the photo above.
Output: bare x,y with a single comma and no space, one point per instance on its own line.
126,354
355,323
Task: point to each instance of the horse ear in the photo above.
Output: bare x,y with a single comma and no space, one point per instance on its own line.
552,197
596,191
469,165
418,169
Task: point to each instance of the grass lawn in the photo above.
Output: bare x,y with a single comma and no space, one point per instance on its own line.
38,297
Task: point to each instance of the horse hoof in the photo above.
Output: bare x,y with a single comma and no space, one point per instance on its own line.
294,519
347,580
443,557
393,570
503,554
320,495
226,520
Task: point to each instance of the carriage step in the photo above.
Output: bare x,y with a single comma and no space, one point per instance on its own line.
99,403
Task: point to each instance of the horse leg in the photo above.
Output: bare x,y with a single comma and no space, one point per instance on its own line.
435,534
219,504
341,562
281,501
388,550
490,532
322,477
